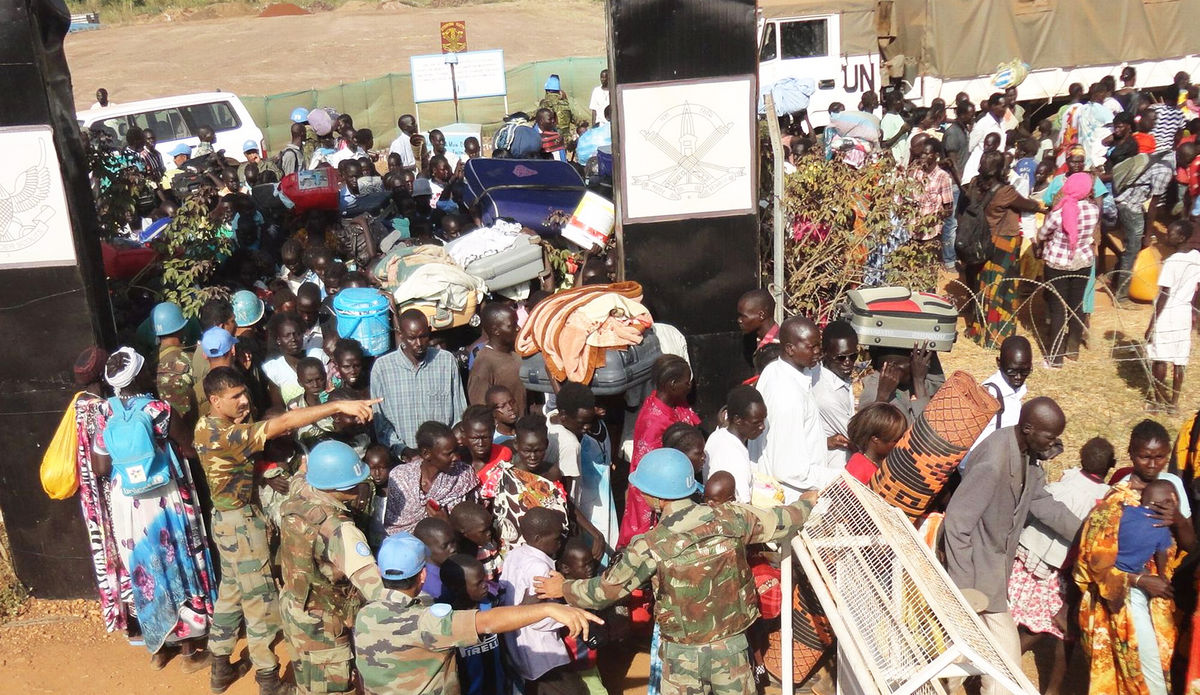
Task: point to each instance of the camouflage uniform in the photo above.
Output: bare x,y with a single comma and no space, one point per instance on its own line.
704,592
327,570
175,383
405,645
561,106
239,530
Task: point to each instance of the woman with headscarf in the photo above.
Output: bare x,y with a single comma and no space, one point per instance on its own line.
112,581
996,316
1064,244
159,532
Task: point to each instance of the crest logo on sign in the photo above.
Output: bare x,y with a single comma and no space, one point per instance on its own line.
454,37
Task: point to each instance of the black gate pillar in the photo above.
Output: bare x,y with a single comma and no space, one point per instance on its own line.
685,170
52,301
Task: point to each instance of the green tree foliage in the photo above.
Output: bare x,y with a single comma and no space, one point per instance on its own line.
192,246
837,216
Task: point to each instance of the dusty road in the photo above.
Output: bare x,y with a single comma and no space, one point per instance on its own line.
252,55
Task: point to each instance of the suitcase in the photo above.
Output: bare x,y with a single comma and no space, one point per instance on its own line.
511,267
311,189
540,194
622,370
442,318
896,317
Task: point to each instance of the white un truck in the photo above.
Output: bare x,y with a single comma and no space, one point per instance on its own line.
938,48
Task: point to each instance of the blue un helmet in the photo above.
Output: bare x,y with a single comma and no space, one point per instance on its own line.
666,474
299,114
247,308
401,556
333,465
167,318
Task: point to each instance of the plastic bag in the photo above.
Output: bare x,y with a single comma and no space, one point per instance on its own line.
59,477
1010,74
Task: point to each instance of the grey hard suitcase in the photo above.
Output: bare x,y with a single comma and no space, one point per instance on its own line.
518,264
622,370
897,317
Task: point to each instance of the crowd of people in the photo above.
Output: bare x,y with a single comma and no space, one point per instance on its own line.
416,520
1044,193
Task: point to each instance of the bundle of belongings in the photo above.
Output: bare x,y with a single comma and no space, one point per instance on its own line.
447,282
573,330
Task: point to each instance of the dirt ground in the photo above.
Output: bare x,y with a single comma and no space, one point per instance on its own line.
254,55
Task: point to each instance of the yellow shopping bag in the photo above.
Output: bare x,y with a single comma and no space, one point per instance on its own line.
60,480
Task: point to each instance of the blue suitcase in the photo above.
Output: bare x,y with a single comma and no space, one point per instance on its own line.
539,194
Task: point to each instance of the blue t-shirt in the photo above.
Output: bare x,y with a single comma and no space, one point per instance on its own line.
481,665
433,580
1138,539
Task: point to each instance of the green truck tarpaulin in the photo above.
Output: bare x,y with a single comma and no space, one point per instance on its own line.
967,38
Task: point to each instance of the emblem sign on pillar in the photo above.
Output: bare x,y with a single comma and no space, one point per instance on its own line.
454,37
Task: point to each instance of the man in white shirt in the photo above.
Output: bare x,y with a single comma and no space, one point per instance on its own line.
599,100
1007,385
992,122
792,448
102,98
402,145
725,449
834,391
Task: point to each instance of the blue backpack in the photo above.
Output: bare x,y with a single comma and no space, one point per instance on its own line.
137,459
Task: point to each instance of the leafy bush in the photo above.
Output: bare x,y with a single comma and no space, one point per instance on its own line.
192,247
838,215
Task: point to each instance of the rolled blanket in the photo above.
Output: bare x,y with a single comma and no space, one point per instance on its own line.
546,331
917,469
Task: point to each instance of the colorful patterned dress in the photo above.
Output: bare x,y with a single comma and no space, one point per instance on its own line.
112,581
163,546
513,492
1109,638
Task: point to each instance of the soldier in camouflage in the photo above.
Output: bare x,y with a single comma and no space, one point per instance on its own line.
696,560
556,100
174,375
405,644
327,566
226,442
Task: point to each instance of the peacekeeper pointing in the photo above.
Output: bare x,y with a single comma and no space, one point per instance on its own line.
696,557
405,643
327,568
226,441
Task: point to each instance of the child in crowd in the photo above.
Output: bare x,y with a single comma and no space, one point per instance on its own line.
873,432
438,536
353,373
481,668
497,363
380,462
576,412
475,526
719,488
478,432
274,469
1169,335
577,563
1141,537
347,429
311,375
538,653
504,408
688,439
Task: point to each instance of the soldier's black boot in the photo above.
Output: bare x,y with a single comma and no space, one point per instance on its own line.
224,674
269,683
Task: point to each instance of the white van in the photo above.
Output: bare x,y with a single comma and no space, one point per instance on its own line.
175,120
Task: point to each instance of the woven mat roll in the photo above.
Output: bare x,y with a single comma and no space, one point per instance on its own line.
914,473
811,637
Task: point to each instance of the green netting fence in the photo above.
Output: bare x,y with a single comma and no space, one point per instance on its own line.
377,103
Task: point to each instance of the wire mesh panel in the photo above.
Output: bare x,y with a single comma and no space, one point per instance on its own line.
895,611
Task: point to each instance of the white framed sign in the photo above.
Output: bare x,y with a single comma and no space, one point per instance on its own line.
35,227
477,73
688,148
